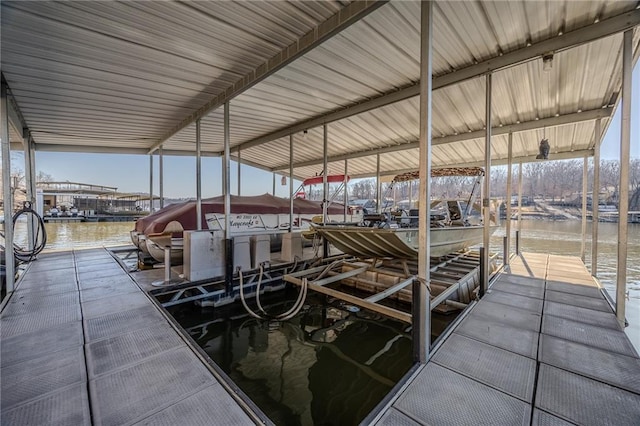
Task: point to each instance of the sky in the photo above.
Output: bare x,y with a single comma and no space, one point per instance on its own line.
130,173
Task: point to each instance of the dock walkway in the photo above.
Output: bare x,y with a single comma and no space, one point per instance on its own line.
81,344
543,347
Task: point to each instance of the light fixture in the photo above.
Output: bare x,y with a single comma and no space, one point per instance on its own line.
547,61
304,133
544,147
543,150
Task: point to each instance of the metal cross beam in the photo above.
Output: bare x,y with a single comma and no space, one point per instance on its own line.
349,15
593,114
568,155
565,41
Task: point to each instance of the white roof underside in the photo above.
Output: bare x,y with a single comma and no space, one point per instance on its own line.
107,76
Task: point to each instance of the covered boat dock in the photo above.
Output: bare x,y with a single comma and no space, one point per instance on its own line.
366,88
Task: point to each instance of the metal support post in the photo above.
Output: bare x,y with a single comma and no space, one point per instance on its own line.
483,272
623,200
291,194
239,169
378,185
198,176
167,270
345,195
273,184
487,185
421,307
6,188
151,183
508,197
161,176
226,191
518,232
29,184
325,185
595,199
583,245
410,195
505,250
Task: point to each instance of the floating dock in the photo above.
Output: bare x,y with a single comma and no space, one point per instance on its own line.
542,347
83,344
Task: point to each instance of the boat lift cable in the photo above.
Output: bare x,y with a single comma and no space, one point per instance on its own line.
297,306
39,239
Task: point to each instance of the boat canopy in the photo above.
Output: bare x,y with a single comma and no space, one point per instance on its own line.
447,171
185,212
317,180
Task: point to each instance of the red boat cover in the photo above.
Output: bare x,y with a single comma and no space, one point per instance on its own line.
185,212
318,180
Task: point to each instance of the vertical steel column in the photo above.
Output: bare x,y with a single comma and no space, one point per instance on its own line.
325,172
32,160
595,199
273,182
411,195
484,281
623,199
29,177
6,188
345,195
421,306
239,169
151,183
378,185
226,191
583,245
291,194
395,198
509,192
198,176
161,177
519,228
325,184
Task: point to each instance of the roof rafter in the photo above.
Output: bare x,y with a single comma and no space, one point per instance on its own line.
347,16
495,131
565,41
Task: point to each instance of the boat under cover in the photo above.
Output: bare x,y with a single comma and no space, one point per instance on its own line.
399,243
265,204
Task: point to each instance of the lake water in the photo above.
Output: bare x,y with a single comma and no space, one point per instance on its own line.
332,364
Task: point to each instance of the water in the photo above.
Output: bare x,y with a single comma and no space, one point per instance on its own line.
330,365
79,235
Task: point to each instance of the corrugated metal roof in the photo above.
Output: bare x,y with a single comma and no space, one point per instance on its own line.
120,75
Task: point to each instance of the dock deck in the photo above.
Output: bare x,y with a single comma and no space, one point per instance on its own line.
543,347
82,344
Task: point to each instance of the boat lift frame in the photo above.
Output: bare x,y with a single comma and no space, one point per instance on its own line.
214,289
451,274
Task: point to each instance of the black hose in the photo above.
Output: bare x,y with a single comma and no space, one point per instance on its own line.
39,235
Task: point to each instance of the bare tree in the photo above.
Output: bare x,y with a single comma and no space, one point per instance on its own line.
610,178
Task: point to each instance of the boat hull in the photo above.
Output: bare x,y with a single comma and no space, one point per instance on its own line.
398,243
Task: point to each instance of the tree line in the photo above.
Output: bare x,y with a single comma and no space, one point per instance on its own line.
559,180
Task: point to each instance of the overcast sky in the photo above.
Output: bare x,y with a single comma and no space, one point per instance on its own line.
130,173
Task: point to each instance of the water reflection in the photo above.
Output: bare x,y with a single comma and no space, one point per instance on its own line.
329,365
65,236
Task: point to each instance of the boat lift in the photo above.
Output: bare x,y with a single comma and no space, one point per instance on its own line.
455,276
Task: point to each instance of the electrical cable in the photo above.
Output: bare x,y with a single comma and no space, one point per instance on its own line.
293,311
39,239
